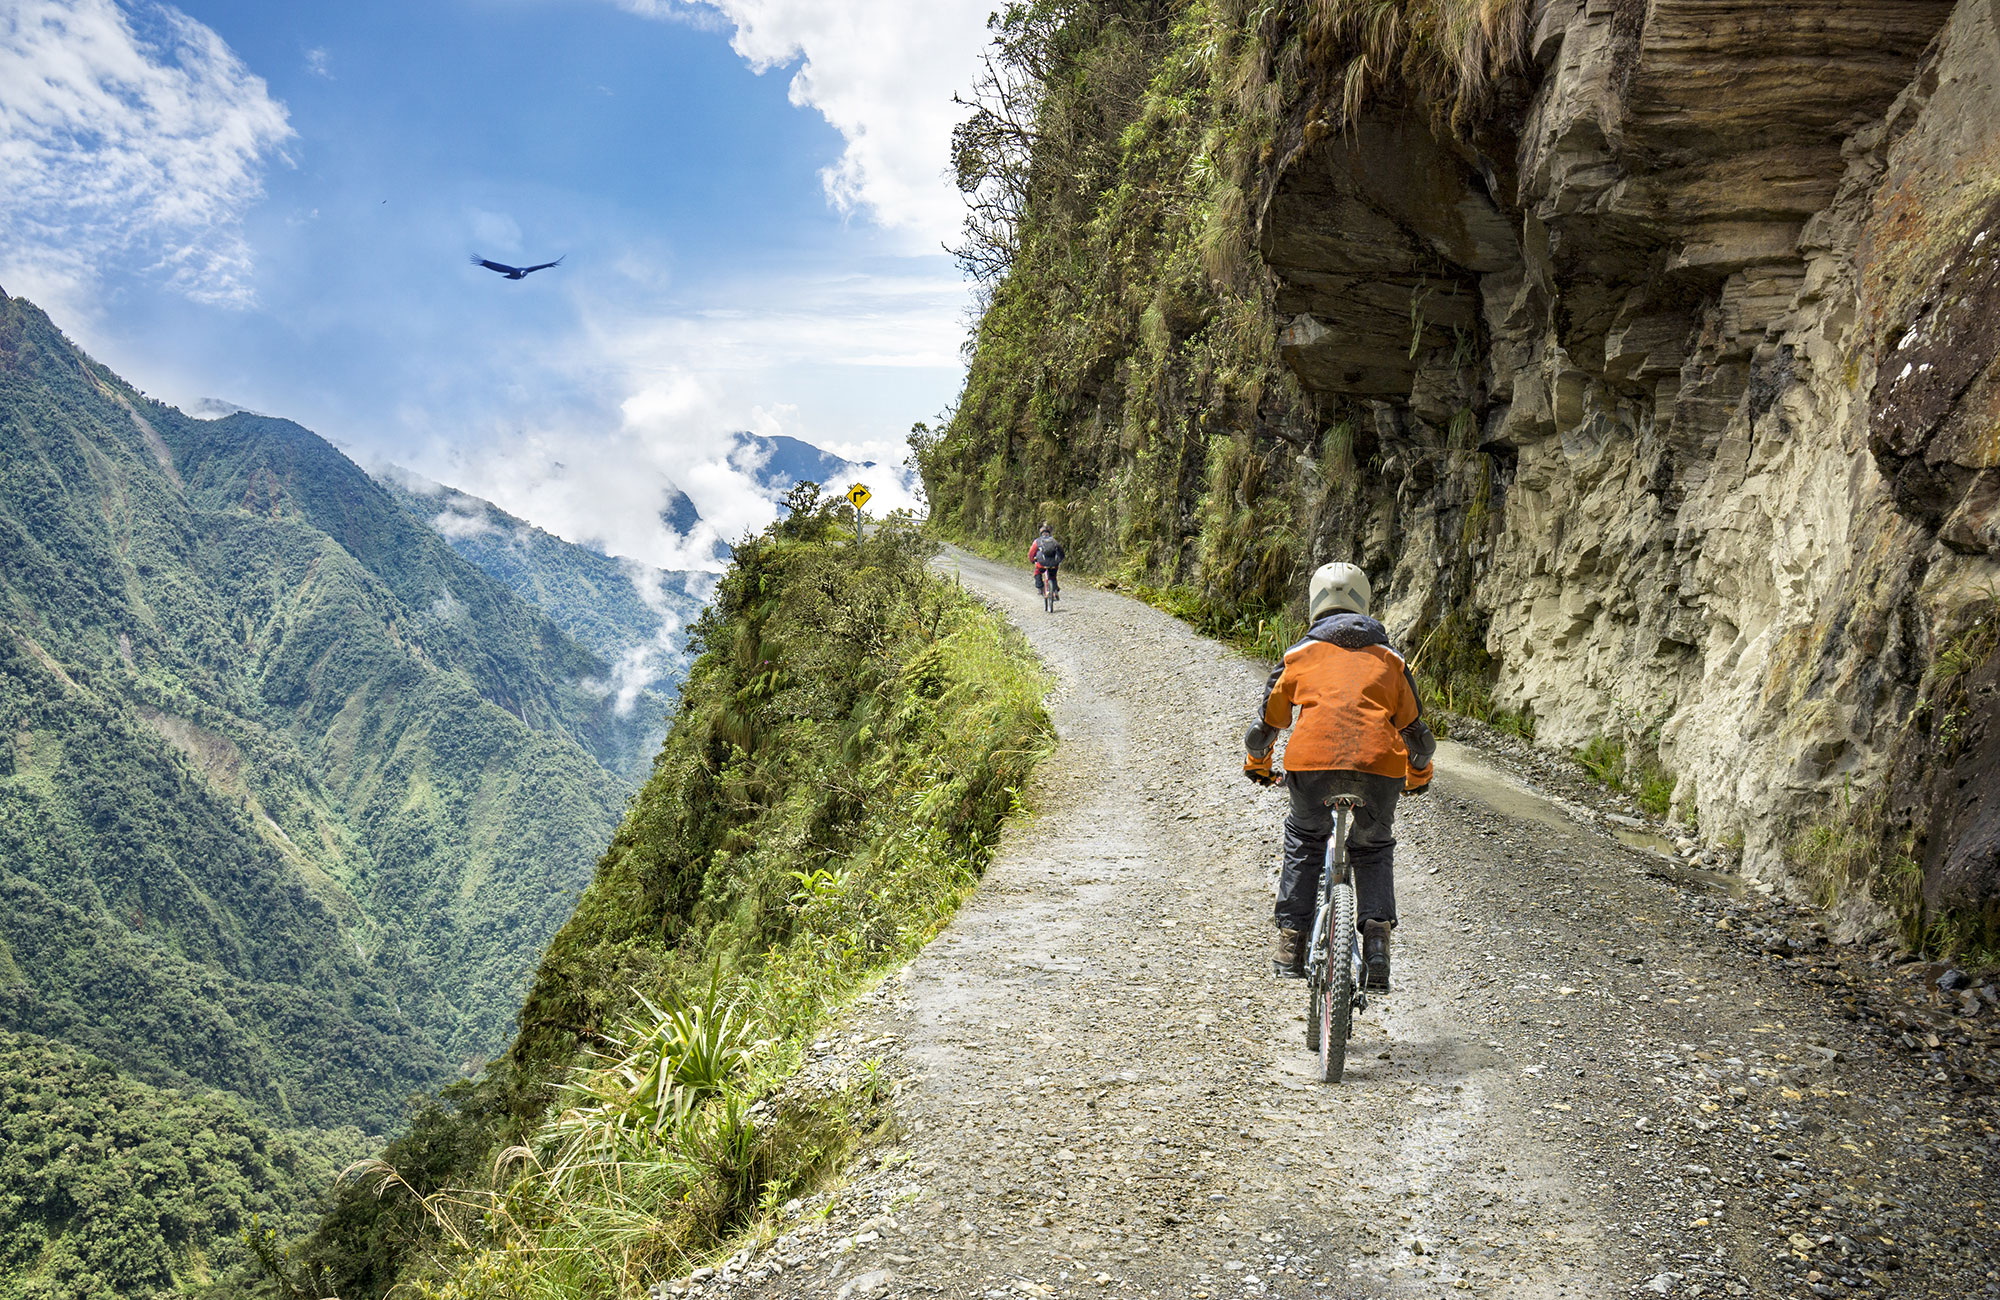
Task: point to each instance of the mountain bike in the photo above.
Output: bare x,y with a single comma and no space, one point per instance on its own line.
1050,592
1333,959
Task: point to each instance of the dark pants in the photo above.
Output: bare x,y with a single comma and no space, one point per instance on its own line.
1371,848
1049,575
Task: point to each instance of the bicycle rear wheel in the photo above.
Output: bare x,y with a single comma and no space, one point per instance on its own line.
1335,1005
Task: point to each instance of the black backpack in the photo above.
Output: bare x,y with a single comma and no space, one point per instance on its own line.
1049,552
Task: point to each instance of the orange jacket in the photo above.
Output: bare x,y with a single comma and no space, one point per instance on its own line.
1354,697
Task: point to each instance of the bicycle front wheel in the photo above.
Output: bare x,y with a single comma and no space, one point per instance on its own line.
1315,1003
1336,1002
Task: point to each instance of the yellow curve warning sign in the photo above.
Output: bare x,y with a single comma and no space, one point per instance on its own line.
859,495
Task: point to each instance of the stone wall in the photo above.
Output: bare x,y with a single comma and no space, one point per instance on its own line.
1688,372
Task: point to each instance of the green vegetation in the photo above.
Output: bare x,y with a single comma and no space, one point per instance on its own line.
618,610
1125,382
291,797
1455,677
1615,764
110,1187
1604,759
847,743
1448,52
1874,842
1851,851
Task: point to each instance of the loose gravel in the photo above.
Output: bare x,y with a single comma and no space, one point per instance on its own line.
1606,1070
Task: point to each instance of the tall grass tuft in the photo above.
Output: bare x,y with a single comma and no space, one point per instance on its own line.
657,1154
1448,52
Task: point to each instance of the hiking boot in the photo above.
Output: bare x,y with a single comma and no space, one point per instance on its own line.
1375,956
1288,955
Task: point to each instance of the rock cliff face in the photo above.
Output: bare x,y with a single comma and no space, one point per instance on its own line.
1720,292
1652,345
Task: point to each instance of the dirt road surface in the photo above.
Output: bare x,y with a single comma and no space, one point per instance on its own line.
1582,1086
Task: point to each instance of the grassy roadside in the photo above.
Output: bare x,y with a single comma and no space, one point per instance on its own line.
846,747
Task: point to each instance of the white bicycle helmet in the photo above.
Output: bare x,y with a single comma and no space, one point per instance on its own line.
1338,586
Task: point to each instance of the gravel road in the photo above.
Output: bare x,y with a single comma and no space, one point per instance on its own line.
1584,1084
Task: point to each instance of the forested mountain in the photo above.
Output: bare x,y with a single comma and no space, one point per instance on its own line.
106,1182
783,461
291,795
633,616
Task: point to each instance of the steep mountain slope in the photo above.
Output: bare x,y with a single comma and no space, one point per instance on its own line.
110,1186
631,616
292,794
851,734
1642,352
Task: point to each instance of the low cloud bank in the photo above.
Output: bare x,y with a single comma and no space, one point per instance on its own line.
616,491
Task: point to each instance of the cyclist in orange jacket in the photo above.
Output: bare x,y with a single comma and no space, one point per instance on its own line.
1359,730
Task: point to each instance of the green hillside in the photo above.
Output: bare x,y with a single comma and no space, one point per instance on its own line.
291,796
633,617
109,1186
848,739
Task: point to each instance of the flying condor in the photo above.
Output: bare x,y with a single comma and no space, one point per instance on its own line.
516,272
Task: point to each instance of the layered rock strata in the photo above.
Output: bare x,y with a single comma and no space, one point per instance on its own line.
1689,372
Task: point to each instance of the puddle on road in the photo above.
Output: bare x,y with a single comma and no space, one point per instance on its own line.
1659,844
1497,790
1508,796
1698,877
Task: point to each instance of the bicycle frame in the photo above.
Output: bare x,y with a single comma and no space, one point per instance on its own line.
1335,870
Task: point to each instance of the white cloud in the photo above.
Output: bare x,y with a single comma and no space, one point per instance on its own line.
881,73
494,230
318,62
645,665
609,488
464,516
879,320
127,136
642,400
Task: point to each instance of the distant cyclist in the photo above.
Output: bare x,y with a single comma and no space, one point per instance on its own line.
1359,730
1046,554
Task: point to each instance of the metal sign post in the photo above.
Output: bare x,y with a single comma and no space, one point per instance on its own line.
858,495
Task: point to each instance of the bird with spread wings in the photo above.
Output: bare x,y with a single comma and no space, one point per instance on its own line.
516,272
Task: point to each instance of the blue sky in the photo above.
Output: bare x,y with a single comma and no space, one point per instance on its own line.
273,206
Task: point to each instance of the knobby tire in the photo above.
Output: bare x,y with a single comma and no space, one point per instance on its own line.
1336,1004
1314,1001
